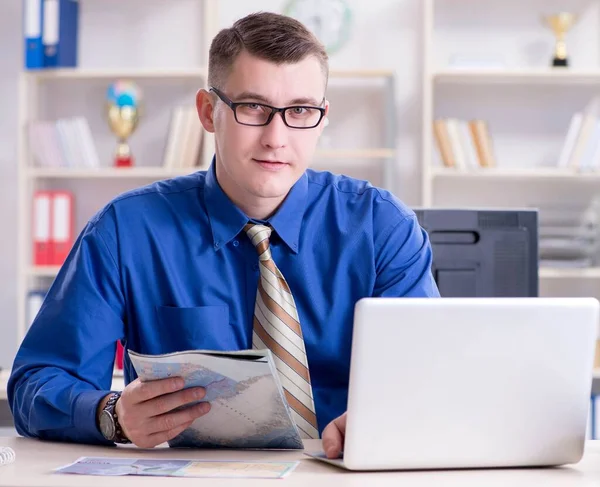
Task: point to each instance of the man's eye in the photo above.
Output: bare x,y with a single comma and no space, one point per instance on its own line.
298,110
253,106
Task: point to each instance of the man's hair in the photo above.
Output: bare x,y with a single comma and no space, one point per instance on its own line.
266,35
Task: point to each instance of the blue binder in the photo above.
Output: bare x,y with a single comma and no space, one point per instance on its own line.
60,33
32,33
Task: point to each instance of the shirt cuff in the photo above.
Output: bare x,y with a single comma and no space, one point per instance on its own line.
85,421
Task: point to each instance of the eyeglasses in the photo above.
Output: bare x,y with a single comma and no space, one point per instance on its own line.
259,114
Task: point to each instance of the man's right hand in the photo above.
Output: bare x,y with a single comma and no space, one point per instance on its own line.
146,413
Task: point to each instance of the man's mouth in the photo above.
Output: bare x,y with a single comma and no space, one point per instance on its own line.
271,165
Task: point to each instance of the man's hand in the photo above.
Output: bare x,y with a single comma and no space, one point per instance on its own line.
145,410
333,437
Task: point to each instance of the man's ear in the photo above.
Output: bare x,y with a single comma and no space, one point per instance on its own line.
205,107
325,120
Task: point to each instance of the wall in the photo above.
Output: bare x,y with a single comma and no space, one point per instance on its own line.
10,63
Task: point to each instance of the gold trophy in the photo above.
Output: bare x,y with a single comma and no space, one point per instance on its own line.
123,113
560,24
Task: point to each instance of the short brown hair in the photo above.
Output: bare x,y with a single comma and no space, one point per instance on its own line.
266,35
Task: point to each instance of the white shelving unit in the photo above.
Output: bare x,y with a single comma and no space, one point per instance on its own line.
31,97
522,89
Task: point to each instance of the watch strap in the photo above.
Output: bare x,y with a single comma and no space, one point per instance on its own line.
111,408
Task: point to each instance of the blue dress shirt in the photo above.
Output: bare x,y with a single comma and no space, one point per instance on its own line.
167,267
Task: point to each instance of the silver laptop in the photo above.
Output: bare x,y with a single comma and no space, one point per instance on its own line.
469,382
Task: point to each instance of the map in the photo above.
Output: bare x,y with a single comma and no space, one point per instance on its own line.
248,408
116,466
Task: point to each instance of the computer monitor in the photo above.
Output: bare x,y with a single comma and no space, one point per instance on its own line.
483,252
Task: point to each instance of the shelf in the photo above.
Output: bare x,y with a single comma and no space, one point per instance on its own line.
569,273
517,76
360,73
162,173
377,153
172,74
516,174
106,74
107,173
43,271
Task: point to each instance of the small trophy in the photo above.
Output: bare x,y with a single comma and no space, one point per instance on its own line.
123,112
560,24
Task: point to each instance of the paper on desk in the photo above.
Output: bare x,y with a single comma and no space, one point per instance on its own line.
108,466
248,407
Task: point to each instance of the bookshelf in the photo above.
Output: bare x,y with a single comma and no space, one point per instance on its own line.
77,87
527,104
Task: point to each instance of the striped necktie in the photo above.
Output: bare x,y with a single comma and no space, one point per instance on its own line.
277,328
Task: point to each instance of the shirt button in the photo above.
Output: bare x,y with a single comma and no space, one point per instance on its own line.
235,243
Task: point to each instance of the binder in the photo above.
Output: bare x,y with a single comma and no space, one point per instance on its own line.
42,213
60,33
32,33
62,226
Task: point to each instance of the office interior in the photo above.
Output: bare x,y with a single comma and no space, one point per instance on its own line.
450,105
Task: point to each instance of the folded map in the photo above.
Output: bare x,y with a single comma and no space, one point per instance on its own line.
248,407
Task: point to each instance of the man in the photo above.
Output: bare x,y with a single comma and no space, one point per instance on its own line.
224,259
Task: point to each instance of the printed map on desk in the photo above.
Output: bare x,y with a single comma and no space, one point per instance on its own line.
108,466
248,407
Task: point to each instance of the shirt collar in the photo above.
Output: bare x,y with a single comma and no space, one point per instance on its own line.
227,220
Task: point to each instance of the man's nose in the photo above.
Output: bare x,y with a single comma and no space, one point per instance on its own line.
275,134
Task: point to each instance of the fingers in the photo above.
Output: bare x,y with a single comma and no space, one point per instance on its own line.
170,421
168,402
164,436
144,391
149,412
333,437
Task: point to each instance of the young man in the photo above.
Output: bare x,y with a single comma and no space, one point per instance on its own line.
258,251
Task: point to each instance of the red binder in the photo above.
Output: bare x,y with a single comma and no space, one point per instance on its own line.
62,226
119,356
42,228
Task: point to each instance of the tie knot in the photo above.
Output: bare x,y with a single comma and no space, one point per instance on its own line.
259,236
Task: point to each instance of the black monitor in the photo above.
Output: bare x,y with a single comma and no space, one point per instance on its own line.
483,252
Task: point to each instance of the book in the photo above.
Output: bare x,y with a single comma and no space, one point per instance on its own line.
248,406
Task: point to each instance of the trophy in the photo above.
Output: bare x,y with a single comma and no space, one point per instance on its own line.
560,24
123,112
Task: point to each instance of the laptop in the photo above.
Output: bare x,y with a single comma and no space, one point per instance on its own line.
447,383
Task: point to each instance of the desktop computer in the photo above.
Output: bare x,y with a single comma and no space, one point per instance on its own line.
483,252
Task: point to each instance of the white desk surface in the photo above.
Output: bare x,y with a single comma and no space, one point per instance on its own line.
35,461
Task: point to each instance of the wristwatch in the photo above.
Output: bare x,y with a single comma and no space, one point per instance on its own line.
109,423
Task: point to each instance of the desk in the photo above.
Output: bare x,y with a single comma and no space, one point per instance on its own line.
36,460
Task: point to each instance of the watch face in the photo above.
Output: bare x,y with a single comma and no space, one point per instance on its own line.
328,20
107,425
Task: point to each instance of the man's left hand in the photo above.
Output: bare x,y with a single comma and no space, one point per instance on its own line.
333,437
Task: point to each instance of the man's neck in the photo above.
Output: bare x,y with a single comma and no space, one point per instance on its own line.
253,207
262,210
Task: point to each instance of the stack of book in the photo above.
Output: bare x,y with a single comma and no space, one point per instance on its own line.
581,148
65,142
184,140
464,145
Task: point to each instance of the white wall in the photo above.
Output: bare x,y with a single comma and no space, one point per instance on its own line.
10,63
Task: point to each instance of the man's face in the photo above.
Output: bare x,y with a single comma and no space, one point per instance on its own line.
265,162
